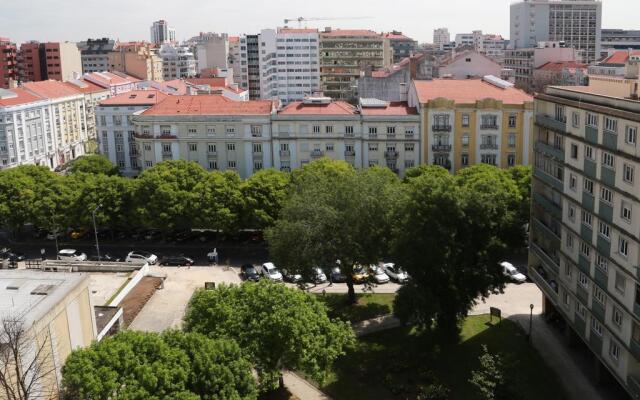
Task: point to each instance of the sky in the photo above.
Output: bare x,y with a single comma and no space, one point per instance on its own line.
75,20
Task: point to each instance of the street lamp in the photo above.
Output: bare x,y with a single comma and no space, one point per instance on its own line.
530,320
95,229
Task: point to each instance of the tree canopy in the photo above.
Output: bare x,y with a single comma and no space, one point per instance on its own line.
149,366
94,164
276,326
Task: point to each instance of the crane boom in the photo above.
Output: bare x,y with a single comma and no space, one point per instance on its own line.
303,19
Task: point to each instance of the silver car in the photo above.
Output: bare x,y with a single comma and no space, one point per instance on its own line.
378,274
395,273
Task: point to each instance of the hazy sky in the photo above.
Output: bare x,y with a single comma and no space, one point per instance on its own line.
75,20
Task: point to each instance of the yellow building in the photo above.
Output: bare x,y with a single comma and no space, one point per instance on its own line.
137,59
55,312
466,122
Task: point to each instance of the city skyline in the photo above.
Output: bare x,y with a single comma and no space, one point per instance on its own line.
23,21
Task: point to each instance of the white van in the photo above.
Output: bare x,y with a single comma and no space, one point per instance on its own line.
71,255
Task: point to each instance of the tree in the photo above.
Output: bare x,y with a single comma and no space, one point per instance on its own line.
218,202
26,362
449,235
94,164
334,213
491,379
172,365
277,327
264,194
521,175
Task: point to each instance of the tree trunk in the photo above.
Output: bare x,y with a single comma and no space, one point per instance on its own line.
351,293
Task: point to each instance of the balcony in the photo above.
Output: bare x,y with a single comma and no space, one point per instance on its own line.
441,148
553,151
441,128
489,126
610,140
285,153
317,153
488,146
549,287
549,180
546,121
391,154
591,134
212,154
349,153
444,164
552,262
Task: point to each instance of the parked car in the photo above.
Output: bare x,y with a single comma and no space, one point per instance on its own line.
317,275
78,233
141,257
71,255
13,256
179,261
335,274
378,274
360,274
249,273
395,273
153,235
291,277
512,272
270,272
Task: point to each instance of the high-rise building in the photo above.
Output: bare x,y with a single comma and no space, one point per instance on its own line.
289,64
585,218
575,22
177,62
95,54
8,62
441,37
212,51
53,60
344,54
250,64
161,32
235,61
402,46
619,39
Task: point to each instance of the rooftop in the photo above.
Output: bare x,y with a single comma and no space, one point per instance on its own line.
106,79
209,105
135,98
296,30
620,57
328,108
468,91
349,32
559,66
16,97
389,109
51,89
83,86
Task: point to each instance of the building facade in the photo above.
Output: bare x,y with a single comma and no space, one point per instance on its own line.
402,45
467,122
441,37
115,82
59,61
95,54
8,63
177,62
289,64
161,32
138,59
575,22
585,237
468,64
212,51
344,54
250,65
569,73
93,95
619,39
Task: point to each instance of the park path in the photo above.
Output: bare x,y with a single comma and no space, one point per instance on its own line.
301,388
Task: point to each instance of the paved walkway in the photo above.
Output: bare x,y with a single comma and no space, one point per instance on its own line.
302,389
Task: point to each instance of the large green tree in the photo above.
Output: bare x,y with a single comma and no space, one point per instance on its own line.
94,164
277,327
264,194
149,366
334,213
450,233
218,202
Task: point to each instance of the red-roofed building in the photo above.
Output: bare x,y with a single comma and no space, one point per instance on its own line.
473,121
614,65
116,82
566,73
402,46
93,95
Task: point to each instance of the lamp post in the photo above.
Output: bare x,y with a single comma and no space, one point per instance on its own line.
530,320
95,229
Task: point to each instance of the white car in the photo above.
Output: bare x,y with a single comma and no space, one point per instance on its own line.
270,272
318,275
71,255
378,274
512,272
395,273
141,258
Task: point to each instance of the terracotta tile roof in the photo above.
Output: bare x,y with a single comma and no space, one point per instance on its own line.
107,79
333,108
50,89
392,109
85,86
296,30
620,57
468,91
24,97
207,81
135,98
209,105
234,39
397,36
349,32
559,66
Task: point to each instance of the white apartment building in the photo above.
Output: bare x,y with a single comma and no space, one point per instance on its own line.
575,22
93,95
212,51
250,65
42,123
116,135
235,59
289,64
161,32
441,37
177,62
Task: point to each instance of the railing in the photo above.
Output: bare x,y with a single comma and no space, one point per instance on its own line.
441,128
285,153
212,154
317,153
391,154
441,147
489,146
489,126
349,153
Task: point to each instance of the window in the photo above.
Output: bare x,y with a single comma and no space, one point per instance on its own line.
611,124
588,152
284,146
231,164
257,148
465,159
373,131
592,120
617,317
166,148
623,246
627,174
391,130
596,326
328,129
409,163
165,130
231,146
256,130
148,163
316,129
585,249
583,281
573,182
604,230
231,130
635,335
488,159
211,130
465,140
213,165
602,263
574,151
588,186
566,299
606,195
211,148
569,241
512,140
614,350
409,147
568,270
625,212
512,121
192,130
572,213
257,165
608,160
575,119
511,160
373,146
147,147
631,136
621,282
348,130
193,147
409,131
465,120
103,120
582,311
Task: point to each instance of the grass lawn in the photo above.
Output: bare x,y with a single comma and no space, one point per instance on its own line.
392,364
369,305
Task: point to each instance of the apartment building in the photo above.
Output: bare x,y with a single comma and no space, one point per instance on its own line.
618,39
235,62
161,32
94,54
93,95
138,59
114,118
575,22
212,50
468,64
441,37
289,64
467,122
585,224
115,82
250,65
218,133
57,309
344,54
177,62
615,65
8,63
402,45
493,46
568,73
524,61
52,60
42,123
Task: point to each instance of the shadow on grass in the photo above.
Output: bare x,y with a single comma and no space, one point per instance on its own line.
280,394
393,364
368,306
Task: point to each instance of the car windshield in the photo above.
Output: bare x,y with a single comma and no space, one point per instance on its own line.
250,270
513,272
379,271
144,254
273,271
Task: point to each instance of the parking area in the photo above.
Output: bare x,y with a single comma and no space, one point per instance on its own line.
105,285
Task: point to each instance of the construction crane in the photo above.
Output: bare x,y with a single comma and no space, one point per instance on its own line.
303,19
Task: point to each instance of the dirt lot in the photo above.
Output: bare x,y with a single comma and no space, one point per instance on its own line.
138,297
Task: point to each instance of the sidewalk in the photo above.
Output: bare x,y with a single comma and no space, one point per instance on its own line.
301,388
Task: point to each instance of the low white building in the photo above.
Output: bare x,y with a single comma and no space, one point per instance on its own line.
468,64
177,62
